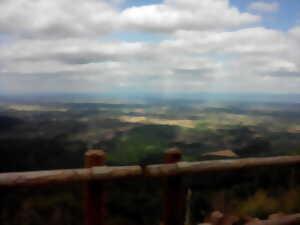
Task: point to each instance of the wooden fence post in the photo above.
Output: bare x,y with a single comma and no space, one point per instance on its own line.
174,193
94,193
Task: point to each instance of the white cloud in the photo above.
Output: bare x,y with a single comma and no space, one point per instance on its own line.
264,6
207,46
56,18
295,32
250,59
92,18
173,15
251,44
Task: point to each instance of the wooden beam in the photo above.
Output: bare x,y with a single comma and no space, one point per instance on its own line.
173,193
94,191
218,165
51,177
47,177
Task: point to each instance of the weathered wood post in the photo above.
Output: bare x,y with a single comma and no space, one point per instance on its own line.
94,193
174,193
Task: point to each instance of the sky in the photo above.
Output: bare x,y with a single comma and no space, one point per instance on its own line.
157,46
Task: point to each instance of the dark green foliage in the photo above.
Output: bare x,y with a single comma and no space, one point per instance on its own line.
256,147
137,144
40,154
56,140
7,123
139,201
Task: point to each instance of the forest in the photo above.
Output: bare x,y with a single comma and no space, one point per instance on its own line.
55,135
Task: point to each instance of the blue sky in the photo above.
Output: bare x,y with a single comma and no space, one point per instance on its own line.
287,16
156,46
140,3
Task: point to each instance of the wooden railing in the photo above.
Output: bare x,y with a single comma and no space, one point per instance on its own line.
95,174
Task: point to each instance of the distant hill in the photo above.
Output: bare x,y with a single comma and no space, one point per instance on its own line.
7,122
223,154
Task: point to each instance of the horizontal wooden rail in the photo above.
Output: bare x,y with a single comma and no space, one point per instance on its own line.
112,173
67,176
95,174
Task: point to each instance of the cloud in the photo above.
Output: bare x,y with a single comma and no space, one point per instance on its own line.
264,6
96,18
246,57
173,15
249,59
108,64
208,45
52,19
295,32
70,51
